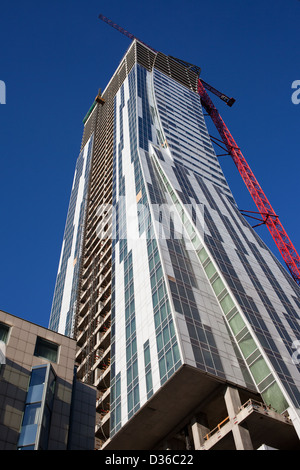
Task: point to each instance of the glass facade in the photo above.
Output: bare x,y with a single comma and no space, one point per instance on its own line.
38,409
233,245
64,300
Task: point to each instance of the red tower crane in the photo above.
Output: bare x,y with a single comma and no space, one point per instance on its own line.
271,220
269,217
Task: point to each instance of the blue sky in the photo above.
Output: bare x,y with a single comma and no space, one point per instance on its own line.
54,58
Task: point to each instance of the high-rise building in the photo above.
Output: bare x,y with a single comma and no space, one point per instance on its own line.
185,321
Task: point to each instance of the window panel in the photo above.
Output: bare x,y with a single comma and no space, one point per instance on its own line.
162,367
218,286
4,330
237,324
275,396
169,360
36,385
259,370
46,349
247,345
210,270
227,304
31,414
148,381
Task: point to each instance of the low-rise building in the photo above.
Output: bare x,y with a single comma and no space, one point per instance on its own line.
42,404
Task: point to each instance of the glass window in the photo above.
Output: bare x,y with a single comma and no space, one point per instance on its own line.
196,242
210,270
136,395
29,425
172,330
169,359
218,286
4,330
247,345
45,429
161,292
36,385
154,299
129,374
176,353
46,349
163,311
39,400
112,393
135,369
134,346
118,386
273,396
166,334
31,414
159,342
148,381
128,331
202,255
227,304
259,370
147,355
118,414
130,401
158,273
162,367
236,323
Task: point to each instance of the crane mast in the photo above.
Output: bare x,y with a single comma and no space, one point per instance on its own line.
271,220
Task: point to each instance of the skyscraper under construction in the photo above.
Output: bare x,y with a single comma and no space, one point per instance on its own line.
185,321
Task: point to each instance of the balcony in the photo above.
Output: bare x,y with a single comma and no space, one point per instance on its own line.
103,400
103,425
259,419
102,378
